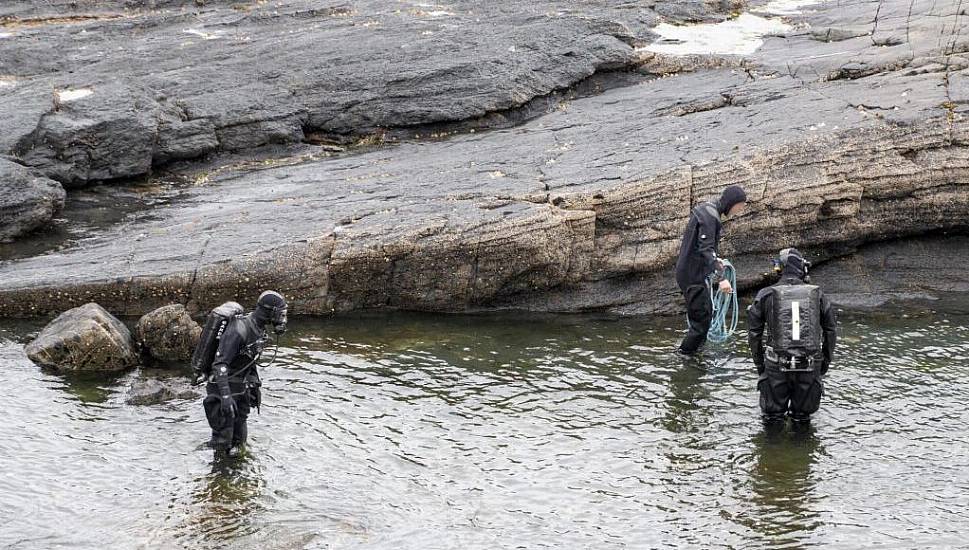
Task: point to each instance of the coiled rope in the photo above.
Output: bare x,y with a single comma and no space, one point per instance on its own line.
723,305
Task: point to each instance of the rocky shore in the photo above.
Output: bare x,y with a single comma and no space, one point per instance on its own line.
464,156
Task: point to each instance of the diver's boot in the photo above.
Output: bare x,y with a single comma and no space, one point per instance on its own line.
219,442
773,423
800,423
240,434
239,437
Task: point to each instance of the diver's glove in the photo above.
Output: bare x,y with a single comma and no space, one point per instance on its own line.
760,367
228,406
196,377
824,367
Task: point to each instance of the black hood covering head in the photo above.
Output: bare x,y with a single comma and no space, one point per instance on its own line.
271,309
731,197
793,263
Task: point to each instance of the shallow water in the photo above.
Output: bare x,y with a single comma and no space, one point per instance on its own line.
400,431
88,212
741,35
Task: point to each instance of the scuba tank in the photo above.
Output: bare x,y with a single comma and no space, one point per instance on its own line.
215,325
796,320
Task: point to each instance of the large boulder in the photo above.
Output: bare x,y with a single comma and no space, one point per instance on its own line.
27,201
169,333
86,338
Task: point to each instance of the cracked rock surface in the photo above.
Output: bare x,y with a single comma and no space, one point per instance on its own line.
850,128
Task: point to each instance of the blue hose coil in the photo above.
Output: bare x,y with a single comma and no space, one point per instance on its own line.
724,305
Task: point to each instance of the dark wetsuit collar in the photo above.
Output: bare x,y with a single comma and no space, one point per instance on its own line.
719,206
790,276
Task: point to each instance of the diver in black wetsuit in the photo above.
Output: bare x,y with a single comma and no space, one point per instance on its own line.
799,344
233,386
698,260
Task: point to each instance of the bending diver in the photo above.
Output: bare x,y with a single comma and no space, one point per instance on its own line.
227,357
698,260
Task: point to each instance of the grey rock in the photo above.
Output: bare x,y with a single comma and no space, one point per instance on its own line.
155,391
838,144
929,269
175,80
86,338
27,201
168,333
108,134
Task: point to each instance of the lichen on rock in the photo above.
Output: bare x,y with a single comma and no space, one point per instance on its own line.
86,338
168,333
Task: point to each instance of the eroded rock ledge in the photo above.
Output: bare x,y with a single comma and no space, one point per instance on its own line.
839,142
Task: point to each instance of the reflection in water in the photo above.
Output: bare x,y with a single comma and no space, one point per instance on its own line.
88,212
784,499
685,407
89,387
228,497
415,431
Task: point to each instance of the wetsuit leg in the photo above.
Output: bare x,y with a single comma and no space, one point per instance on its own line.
699,312
806,396
775,393
221,426
240,431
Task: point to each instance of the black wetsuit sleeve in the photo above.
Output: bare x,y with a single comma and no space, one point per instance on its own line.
829,325
755,329
229,346
708,231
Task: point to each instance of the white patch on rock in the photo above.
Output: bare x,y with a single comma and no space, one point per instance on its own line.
5,35
784,7
740,36
7,81
70,95
203,35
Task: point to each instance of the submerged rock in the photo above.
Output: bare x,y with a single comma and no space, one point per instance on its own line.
153,391
27,201
86,338
169,333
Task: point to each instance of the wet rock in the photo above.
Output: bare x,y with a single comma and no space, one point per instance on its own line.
838,143
94,133
168,333
27,201
86,338
103,90
928,269
154,391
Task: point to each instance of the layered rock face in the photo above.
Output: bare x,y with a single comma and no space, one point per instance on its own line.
850,128
932,270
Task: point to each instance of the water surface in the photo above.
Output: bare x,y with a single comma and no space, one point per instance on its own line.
403,431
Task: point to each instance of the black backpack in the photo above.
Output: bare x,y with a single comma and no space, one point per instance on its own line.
215,325
796,320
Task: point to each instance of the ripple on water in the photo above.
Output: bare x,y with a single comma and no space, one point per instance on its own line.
430,432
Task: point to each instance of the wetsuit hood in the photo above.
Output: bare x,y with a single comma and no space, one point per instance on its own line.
730,197
271,309
793,264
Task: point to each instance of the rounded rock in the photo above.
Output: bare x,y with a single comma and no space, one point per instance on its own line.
169,333
86,338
